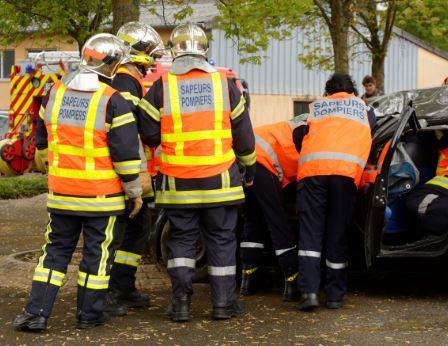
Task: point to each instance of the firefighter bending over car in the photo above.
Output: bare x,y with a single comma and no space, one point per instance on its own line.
277,159
84,123
199,117
145,46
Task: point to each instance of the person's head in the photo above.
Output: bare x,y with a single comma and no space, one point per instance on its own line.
340,82
144,42
188,39
369,84
102,54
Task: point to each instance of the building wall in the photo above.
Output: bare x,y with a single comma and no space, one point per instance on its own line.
21,52
432,69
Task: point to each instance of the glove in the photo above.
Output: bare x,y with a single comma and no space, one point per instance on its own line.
134,206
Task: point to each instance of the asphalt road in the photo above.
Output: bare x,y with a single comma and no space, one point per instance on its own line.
399,304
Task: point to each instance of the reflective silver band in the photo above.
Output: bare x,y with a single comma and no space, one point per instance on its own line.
424,204
308,253
329,155
336,265
222,271
282,251
266,147
247,244
181,262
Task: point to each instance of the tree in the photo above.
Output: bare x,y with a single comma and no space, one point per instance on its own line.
426,19
124,11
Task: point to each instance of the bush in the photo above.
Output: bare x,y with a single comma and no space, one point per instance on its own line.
23,186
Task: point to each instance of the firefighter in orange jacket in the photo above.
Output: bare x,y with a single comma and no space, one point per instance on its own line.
145,45
199,117
84,123
264,208
332,157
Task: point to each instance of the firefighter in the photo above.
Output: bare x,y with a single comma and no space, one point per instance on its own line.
199,117
264,208
145,46
332,157
94,162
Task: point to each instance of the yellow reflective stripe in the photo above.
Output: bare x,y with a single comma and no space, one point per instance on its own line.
90,124
127,258
200,196
42,274
196,135
95,282
239,109
439,181
198,160
150,109
47,241
225,179
122,120
85,203
54,120
109,233
175,111
247,160
292,277
127,167
42,112
129,97
171,183
219,109
77,151
81,174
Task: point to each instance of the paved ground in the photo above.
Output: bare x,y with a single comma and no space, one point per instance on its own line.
401,304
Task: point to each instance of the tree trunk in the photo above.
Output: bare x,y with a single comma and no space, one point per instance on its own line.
124,11
341,16
378,70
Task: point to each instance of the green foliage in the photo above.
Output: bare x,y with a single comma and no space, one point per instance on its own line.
23,186
426,19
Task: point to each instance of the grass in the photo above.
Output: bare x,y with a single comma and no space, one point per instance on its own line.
23,186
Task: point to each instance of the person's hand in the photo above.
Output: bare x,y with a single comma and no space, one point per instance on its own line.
134,206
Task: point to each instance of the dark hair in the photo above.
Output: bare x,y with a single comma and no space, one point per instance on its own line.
368,79
340,82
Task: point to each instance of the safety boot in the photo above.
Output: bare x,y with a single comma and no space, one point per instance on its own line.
233,310
337,304
131,298
249,280
30,322
88,324
290,293
308,302
179,308
113,307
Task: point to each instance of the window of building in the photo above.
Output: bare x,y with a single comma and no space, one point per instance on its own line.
6,62
301,107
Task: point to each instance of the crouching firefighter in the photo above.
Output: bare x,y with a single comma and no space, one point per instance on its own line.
199,117
264,207
84,122
145,45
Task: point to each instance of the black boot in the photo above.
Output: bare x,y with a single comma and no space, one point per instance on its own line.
290,293
179,308
132,298
224,313
30,322
337,304
113,307
308,302
249,281
87,324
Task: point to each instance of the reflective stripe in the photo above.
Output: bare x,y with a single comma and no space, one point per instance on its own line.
239,109
54,121
85,203
219,110
175,114
247,244
197,160
47,241
81,174
268,149
109,236
42,112
282,251
225,180
129,97
127,167
127,258
336,265
292,277
439,181
196,135
77,151
171,183
150,109
181,262
94,282
222,271
45,275
308,253
331,156
122,120
200,196
247,160
424,204
293,123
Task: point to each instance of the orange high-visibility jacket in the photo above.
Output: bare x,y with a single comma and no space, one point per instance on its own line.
78,155
196,135
276,151
442,165
339,138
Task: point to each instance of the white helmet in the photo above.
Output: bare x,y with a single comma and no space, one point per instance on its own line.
103,54
144,42
188,39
